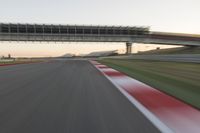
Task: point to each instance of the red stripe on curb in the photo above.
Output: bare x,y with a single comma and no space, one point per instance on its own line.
178,116
110,72
102,66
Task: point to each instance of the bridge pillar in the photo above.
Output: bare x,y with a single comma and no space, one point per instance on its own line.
128,48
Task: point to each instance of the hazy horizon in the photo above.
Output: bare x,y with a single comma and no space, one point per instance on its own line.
52,49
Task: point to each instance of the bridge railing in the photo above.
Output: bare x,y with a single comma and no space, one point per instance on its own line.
70,37
72,29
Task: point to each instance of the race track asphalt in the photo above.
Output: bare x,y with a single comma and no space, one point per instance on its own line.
65,96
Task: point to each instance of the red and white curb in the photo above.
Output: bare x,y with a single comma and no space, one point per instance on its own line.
167,113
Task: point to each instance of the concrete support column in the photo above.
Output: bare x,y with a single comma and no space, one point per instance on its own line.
128,48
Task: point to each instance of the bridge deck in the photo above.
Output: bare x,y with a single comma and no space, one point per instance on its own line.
78,33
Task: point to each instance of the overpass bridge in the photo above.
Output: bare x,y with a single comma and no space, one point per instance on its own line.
82,33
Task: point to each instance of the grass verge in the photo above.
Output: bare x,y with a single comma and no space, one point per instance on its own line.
181,80
18,62
179,50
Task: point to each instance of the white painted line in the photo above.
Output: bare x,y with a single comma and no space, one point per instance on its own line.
155,120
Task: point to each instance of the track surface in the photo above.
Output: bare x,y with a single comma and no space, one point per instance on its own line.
64,97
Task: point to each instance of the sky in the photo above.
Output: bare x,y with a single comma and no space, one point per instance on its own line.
161,15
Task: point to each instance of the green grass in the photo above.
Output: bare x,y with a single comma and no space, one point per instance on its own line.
181,80
180,50
18,61
10,62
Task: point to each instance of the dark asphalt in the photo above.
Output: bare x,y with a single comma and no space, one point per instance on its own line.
64,97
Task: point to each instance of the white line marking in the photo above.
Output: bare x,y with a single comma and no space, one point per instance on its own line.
156,121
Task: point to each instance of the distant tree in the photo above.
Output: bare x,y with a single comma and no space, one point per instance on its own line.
157,48
9,56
